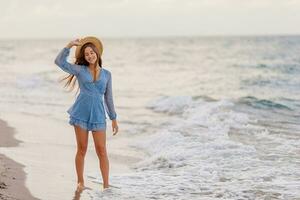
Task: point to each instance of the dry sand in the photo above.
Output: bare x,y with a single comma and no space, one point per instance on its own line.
12,175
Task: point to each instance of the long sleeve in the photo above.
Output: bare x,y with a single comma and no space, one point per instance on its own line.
61,61
108,99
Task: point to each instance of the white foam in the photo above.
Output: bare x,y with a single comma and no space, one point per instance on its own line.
203,163
171,105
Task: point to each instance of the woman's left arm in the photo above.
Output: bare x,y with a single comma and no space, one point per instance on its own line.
109,104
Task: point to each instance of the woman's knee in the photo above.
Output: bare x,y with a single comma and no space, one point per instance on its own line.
82,149
101,151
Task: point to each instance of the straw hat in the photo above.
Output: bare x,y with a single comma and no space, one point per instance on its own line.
90,39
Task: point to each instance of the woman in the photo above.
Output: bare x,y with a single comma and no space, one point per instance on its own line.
88,112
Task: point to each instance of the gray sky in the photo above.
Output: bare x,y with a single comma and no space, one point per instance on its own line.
143,18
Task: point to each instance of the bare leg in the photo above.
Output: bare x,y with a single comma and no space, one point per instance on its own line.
100,146
82,144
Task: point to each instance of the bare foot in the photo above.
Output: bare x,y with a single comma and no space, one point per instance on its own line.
80,186
106,189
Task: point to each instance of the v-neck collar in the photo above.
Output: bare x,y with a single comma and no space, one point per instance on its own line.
91,76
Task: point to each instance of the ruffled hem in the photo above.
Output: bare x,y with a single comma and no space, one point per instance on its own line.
87,125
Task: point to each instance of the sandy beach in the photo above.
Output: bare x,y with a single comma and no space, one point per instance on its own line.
52,175
12,175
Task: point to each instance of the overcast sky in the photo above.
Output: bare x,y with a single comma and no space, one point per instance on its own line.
143,18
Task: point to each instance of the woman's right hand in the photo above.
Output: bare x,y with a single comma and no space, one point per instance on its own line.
73,43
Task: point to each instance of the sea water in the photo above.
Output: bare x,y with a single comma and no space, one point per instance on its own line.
213,117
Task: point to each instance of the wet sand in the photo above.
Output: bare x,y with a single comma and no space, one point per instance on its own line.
12,175
38,152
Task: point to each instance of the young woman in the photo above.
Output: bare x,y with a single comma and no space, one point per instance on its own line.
88,111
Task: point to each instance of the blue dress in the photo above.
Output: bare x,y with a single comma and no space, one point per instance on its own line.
88,110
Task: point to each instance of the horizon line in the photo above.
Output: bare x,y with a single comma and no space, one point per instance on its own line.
159,36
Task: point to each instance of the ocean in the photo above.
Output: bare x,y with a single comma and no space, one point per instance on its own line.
199,117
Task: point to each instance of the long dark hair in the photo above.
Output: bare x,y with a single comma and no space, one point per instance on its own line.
80,60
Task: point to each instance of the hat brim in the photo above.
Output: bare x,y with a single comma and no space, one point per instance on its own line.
92,40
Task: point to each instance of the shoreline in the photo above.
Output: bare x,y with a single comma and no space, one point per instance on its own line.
37,150
12,175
